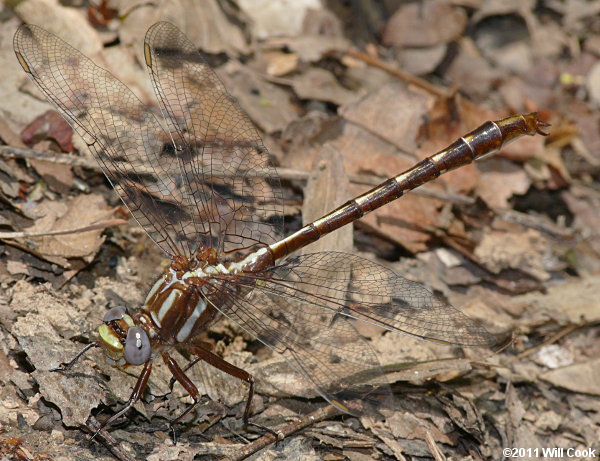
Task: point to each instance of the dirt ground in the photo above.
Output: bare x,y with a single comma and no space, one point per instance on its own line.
344,95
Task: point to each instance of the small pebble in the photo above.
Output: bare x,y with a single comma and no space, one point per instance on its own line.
57,436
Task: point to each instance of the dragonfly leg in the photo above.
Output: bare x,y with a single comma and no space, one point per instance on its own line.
184,369
138,389
65,366
225,366
187,384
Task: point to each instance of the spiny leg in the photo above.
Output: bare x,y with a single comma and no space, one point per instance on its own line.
65,366
232,370
138,389
188,385
184,370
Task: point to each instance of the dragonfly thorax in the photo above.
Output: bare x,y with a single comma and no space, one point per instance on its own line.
180,303
177,306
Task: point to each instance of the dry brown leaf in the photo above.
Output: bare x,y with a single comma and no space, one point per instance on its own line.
421,61
514,405
549,40
205,23
279,64
424,24
408,426
476,84
21,259
381,430
394,112
9,175
405,222
59,177
270,19
80,211
513,35
524,436
574,302
579,377
52,125
549,421
525,251
327,188
62,21
268,106
584,206
312,48
320,85
8,135
499,181
45,349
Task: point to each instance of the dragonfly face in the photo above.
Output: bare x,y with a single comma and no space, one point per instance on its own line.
201,184
123,342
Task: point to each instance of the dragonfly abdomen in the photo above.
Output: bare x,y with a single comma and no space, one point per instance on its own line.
483,141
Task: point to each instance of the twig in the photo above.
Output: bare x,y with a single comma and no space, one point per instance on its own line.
552,339
107,440
290,174
409,78
537,223
67,159
433,448
99,225
268,439
34,154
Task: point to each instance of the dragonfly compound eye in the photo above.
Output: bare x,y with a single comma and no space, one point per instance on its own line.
116,313
137,346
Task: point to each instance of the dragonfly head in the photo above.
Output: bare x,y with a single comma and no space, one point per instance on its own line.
123,341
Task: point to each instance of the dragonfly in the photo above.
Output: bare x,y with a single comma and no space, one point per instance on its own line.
197,178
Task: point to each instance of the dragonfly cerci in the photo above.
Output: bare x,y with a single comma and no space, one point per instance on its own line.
196,177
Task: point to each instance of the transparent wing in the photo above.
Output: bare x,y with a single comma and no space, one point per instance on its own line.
358,288
323,348
304,309
151,173
224,163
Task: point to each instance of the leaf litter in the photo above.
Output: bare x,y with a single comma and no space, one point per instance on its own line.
512,241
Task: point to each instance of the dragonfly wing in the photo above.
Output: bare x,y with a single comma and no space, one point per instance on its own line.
223,160
355,287
304,309
320,346
133,149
